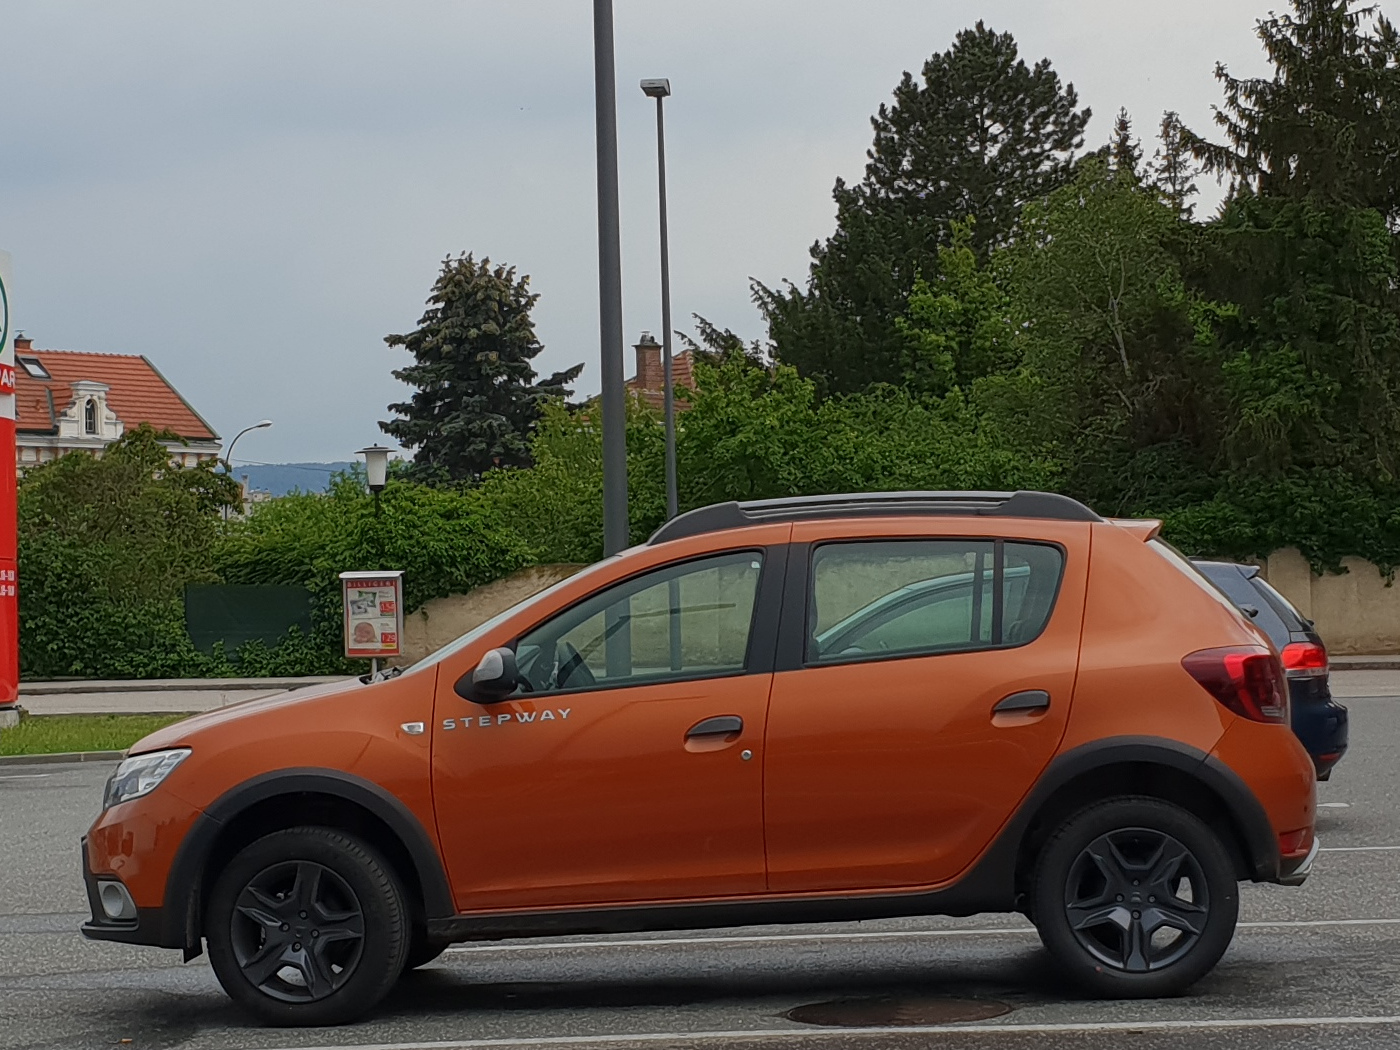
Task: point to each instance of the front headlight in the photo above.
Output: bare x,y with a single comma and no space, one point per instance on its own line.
141,774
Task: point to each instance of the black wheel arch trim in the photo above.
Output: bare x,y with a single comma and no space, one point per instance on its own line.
182,888
1241,805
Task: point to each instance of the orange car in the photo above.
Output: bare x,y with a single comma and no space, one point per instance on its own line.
805,710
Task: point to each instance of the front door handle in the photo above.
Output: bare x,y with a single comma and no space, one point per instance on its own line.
724,725
1018,703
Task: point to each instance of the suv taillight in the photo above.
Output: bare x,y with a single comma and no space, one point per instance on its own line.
1247,679
1304,660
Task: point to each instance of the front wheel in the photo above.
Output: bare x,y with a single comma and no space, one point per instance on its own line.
307,926
1136,898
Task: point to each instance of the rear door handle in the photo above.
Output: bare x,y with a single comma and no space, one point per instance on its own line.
724,725
1032,700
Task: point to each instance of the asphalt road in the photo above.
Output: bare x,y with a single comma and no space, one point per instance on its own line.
1316,966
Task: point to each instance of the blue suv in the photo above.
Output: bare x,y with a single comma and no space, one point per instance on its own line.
1318,720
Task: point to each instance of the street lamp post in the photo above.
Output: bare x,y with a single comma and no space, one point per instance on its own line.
660,89
228,456
376,470
615,526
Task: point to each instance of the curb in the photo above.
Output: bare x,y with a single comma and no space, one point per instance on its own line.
1365,663
61,756
175,685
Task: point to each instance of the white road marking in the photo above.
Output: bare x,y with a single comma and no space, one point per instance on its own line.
866,935
26,776
768,1035
1360,849
1334,805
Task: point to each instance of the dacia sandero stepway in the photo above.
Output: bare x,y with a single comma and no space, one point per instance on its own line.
805,710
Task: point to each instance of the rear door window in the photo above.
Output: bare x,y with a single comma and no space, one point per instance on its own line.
877,599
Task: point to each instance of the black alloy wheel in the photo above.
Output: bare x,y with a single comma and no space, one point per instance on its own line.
298,931
1137,900
308,926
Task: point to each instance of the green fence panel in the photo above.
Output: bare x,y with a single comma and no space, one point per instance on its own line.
237,613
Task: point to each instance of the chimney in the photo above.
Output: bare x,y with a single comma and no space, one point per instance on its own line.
23,342
649,375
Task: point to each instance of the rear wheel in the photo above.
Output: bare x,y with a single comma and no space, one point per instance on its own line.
1136,898
307,927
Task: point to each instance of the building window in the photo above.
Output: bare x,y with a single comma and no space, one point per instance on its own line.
90,417
35,368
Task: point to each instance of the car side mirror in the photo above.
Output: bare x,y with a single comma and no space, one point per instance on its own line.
494,679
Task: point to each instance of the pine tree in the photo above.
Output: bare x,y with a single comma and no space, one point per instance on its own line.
1174,167
1326,123
1125,152
976,137
1306,248
476,400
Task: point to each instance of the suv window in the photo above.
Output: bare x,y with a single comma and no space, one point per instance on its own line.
910,597
1242,592
685,621
1286,609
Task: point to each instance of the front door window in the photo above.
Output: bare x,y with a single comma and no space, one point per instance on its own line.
684,622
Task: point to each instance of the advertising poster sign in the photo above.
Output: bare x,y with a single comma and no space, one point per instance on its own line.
373,614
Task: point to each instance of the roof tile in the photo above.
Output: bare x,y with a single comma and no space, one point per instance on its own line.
139,394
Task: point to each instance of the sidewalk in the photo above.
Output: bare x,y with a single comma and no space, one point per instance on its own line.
153,697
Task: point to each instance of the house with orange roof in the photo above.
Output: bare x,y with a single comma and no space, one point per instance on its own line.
69,401
649,384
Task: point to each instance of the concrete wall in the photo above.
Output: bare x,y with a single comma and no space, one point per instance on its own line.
444,620
1356,613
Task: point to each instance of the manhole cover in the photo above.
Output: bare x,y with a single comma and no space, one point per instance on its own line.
896,1012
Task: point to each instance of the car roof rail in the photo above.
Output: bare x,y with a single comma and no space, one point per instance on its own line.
723,516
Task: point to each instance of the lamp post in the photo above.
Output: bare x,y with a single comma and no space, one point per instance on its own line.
615,527
376,470
228,456
660,89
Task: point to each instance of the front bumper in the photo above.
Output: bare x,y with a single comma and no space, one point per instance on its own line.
1295,872
149,927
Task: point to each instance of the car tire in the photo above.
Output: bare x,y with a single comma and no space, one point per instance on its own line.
322,904
1135,898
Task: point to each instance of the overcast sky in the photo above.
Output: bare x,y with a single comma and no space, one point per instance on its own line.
253,194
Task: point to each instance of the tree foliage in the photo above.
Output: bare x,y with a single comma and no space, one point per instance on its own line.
976,136
106,546
476,397
1325,124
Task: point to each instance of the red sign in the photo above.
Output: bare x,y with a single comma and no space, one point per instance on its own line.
7,379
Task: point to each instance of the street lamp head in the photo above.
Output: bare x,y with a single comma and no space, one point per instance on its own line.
376,466
263,425
657,88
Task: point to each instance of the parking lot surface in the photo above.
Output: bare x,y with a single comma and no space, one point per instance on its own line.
1316,966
